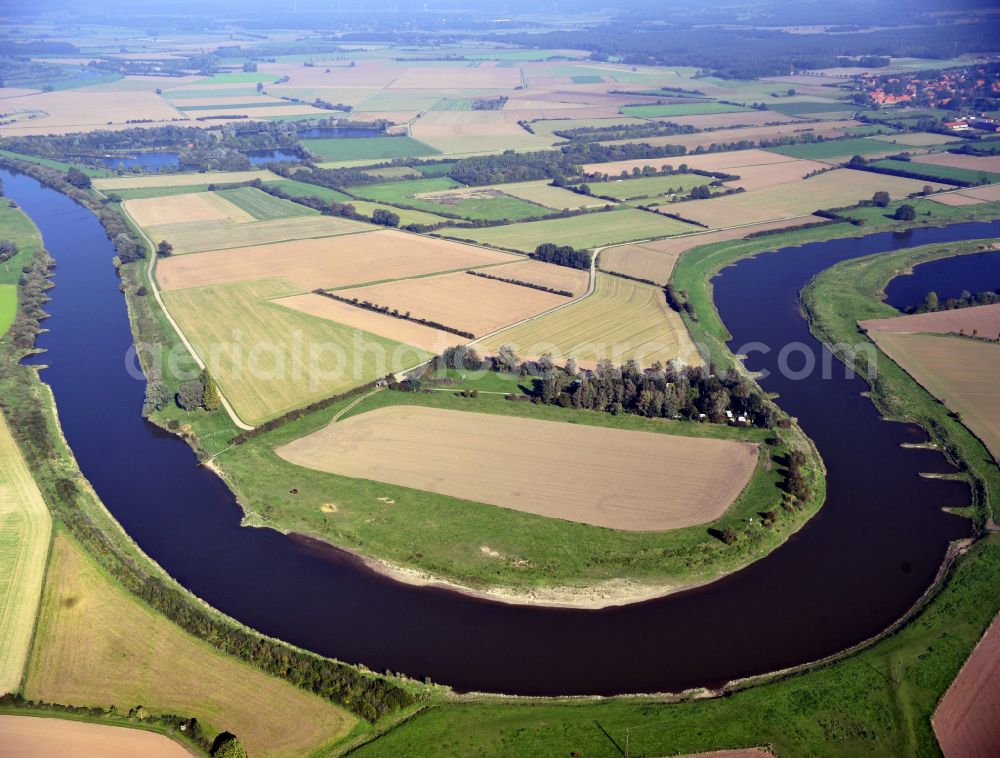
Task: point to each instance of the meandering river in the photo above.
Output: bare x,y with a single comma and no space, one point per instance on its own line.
855,568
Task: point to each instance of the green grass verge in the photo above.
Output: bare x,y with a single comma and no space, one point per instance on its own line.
877,702
354,148
8,306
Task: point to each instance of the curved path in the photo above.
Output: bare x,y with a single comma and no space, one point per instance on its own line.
854,569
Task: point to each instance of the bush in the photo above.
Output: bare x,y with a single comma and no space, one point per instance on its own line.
191,395
905,213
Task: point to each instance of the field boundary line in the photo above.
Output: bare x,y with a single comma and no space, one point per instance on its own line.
151,276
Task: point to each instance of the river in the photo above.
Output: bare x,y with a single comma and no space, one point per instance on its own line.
856,567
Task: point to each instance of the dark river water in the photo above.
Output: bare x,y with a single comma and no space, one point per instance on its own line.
948,277
855,568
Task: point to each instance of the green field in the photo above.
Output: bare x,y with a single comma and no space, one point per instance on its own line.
648,186
305,189
833,148
364,207
586,231
435,169
8,306
802,108
373,148
928,211
941,173
234,106
679,109
262,206
238,77
494,207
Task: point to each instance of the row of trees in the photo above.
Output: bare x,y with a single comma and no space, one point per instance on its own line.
932,303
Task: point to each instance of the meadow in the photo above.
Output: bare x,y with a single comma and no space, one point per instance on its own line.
441,194
373,148
648,186
654,482
621,320
834,148
8,306
544,194
25,528
364,207
586,231
262,206
679,109
97,645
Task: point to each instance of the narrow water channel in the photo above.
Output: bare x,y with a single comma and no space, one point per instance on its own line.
855,568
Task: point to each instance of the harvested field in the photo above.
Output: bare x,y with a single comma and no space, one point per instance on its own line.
268,359
434,341
181,180
202,236
732,120
81,110
25,527
960,372
967,720
97,645
327,263
186,208
622,319
451,77
460,301
472,131
545,275
773,174
590,230
618,479
722,161
987,163
833,189
970,196
641,261
34,737
261,206
985,319
948,174
544,194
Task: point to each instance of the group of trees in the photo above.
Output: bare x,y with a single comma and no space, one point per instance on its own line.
932,303
8,249
562,255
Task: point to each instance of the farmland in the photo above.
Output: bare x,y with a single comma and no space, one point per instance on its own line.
621,320
467,303
96,645
186,208
268,359
959,371
445,195
641,261
264,207
648,186
544,275
665,483
544,194
24,545
114,183
981,319
373,148
974,163
832,189
941,173
327,262
682,109
590,230
836,148
971,196
32,737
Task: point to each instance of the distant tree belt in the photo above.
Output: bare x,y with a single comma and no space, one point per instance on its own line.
76,184
387,311
369,696
562,255
732,53
520,283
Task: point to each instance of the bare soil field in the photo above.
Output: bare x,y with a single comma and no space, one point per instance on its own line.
327,263
203,236
985,319
195,206
545,275
34,737
832,189
990,163
97,645
460,301
959,371
424,337
621,320
182,180
633,481
25,527
970,196
967,720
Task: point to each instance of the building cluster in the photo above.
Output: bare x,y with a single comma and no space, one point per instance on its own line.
976,88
